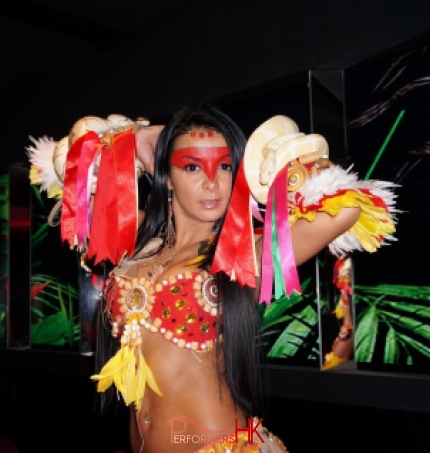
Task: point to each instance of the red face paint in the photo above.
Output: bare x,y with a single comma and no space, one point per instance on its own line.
208,159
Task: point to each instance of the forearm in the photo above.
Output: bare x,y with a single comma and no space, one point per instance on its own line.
309,238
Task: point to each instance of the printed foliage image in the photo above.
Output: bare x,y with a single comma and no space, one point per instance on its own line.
55,294
289,325
389,138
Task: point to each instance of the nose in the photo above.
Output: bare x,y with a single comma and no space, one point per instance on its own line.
210,184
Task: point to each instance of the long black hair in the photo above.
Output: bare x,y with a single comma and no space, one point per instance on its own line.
239,328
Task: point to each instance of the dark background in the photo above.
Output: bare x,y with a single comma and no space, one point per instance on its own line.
65,60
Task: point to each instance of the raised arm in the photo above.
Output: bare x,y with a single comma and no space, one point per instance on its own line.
309,238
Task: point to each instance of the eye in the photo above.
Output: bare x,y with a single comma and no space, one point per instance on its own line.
226,167
192,167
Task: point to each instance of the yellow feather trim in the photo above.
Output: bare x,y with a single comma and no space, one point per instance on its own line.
373,225
55,190
129,372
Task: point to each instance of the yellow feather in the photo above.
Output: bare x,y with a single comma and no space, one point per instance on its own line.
129,372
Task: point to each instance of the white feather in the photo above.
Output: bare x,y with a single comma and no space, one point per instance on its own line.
41,155
334,179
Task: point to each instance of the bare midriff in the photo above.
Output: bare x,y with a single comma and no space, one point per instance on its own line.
196,408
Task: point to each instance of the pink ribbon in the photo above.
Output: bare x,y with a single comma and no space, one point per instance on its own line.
288,262
83,190
278,242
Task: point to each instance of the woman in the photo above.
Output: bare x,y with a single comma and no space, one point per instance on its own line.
178,330
211,386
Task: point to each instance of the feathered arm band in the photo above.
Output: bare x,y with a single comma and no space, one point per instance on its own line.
291,175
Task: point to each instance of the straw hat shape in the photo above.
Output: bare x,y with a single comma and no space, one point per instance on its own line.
274,144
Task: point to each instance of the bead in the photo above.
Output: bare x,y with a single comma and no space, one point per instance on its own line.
166,313
180,303
180,329
204,327
190,318
175,289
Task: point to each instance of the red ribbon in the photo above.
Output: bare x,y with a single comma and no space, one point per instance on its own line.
125,147
234,254
114,223
70,191
113,229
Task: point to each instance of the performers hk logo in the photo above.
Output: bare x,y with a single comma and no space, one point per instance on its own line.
179,425
251,429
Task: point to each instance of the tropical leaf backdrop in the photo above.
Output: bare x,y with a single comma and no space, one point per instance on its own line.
55,293
289,327
389,139
393,324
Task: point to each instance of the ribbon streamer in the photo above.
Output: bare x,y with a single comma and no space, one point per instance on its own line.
278,262
111,229
70,192
235,252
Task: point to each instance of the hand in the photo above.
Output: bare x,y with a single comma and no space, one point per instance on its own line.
146,140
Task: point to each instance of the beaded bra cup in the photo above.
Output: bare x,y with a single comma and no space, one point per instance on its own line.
182,308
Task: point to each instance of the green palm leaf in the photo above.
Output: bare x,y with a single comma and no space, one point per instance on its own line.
295,334
271,314
365,334
391,352
421,348
53,330
394,320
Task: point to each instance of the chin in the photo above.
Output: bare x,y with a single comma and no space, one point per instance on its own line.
212,217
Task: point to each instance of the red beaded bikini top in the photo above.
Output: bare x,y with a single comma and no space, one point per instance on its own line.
182,308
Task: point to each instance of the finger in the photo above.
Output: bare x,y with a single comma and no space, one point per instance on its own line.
146,141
